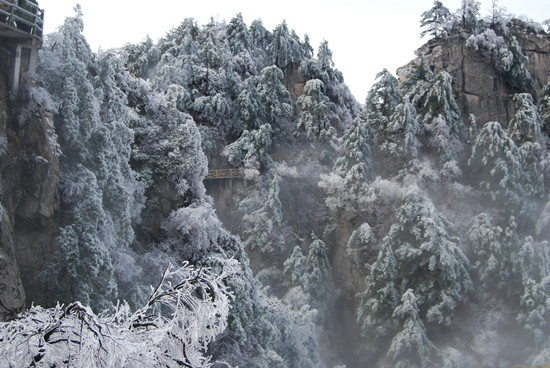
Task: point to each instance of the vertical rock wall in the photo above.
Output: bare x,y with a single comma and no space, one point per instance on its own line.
481,90
29,199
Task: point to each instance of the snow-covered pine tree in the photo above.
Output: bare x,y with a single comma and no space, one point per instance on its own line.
140,58
248,109
543,107
411,348
285,47
429,258
264,100
483,240
442,129
496,166
347,183
318,280
92,125
535,309
525,124
251,146
361,246
382,99
294,270
275,99
512,269
499,46
356,157
438,21
378,301
316,113
468,14
399,145
268,234
243,51
261,39
178,58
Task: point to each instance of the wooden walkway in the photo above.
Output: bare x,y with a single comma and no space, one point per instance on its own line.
224,174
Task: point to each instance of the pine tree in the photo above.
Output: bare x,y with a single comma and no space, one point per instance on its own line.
275,99
533,167
295,268
251,145
242,47
382,99
285,47
399,144
429,258
324,55
361,245
248,109
317,114
267,234
140,59
82,267
445,131
411,348
525,125
261,38
487,258
318,283
512,269
495,164
535,308
92,126
543,107
356,158
379,300
438,21
179,62
469,15
347,183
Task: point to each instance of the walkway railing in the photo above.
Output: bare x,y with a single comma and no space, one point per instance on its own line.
224,174
29,19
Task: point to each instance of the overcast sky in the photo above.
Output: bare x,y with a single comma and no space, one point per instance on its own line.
364,36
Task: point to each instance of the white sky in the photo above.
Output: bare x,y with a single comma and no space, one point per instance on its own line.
365,36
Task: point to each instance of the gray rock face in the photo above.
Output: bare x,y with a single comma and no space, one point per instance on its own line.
12,294
482,91
29,196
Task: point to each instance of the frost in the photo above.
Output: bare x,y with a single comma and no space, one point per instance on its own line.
188,308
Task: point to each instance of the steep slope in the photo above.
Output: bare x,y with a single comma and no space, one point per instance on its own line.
482,90
398,233
29,178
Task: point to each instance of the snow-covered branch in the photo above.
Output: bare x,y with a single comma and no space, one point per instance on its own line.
185,312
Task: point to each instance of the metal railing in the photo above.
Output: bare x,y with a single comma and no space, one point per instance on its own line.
224,174
17,17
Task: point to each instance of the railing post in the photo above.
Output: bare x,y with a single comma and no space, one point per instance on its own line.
17,68
11,19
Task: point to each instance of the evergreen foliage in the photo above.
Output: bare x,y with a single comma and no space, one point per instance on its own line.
438,20
411,348
429,258
379,300
317,114
496,163
138,128
267,234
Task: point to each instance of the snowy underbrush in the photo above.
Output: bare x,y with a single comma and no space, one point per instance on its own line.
184,313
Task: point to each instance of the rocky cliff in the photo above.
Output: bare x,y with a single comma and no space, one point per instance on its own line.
29,180
480,89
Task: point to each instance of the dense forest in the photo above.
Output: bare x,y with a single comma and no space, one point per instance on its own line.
398,232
